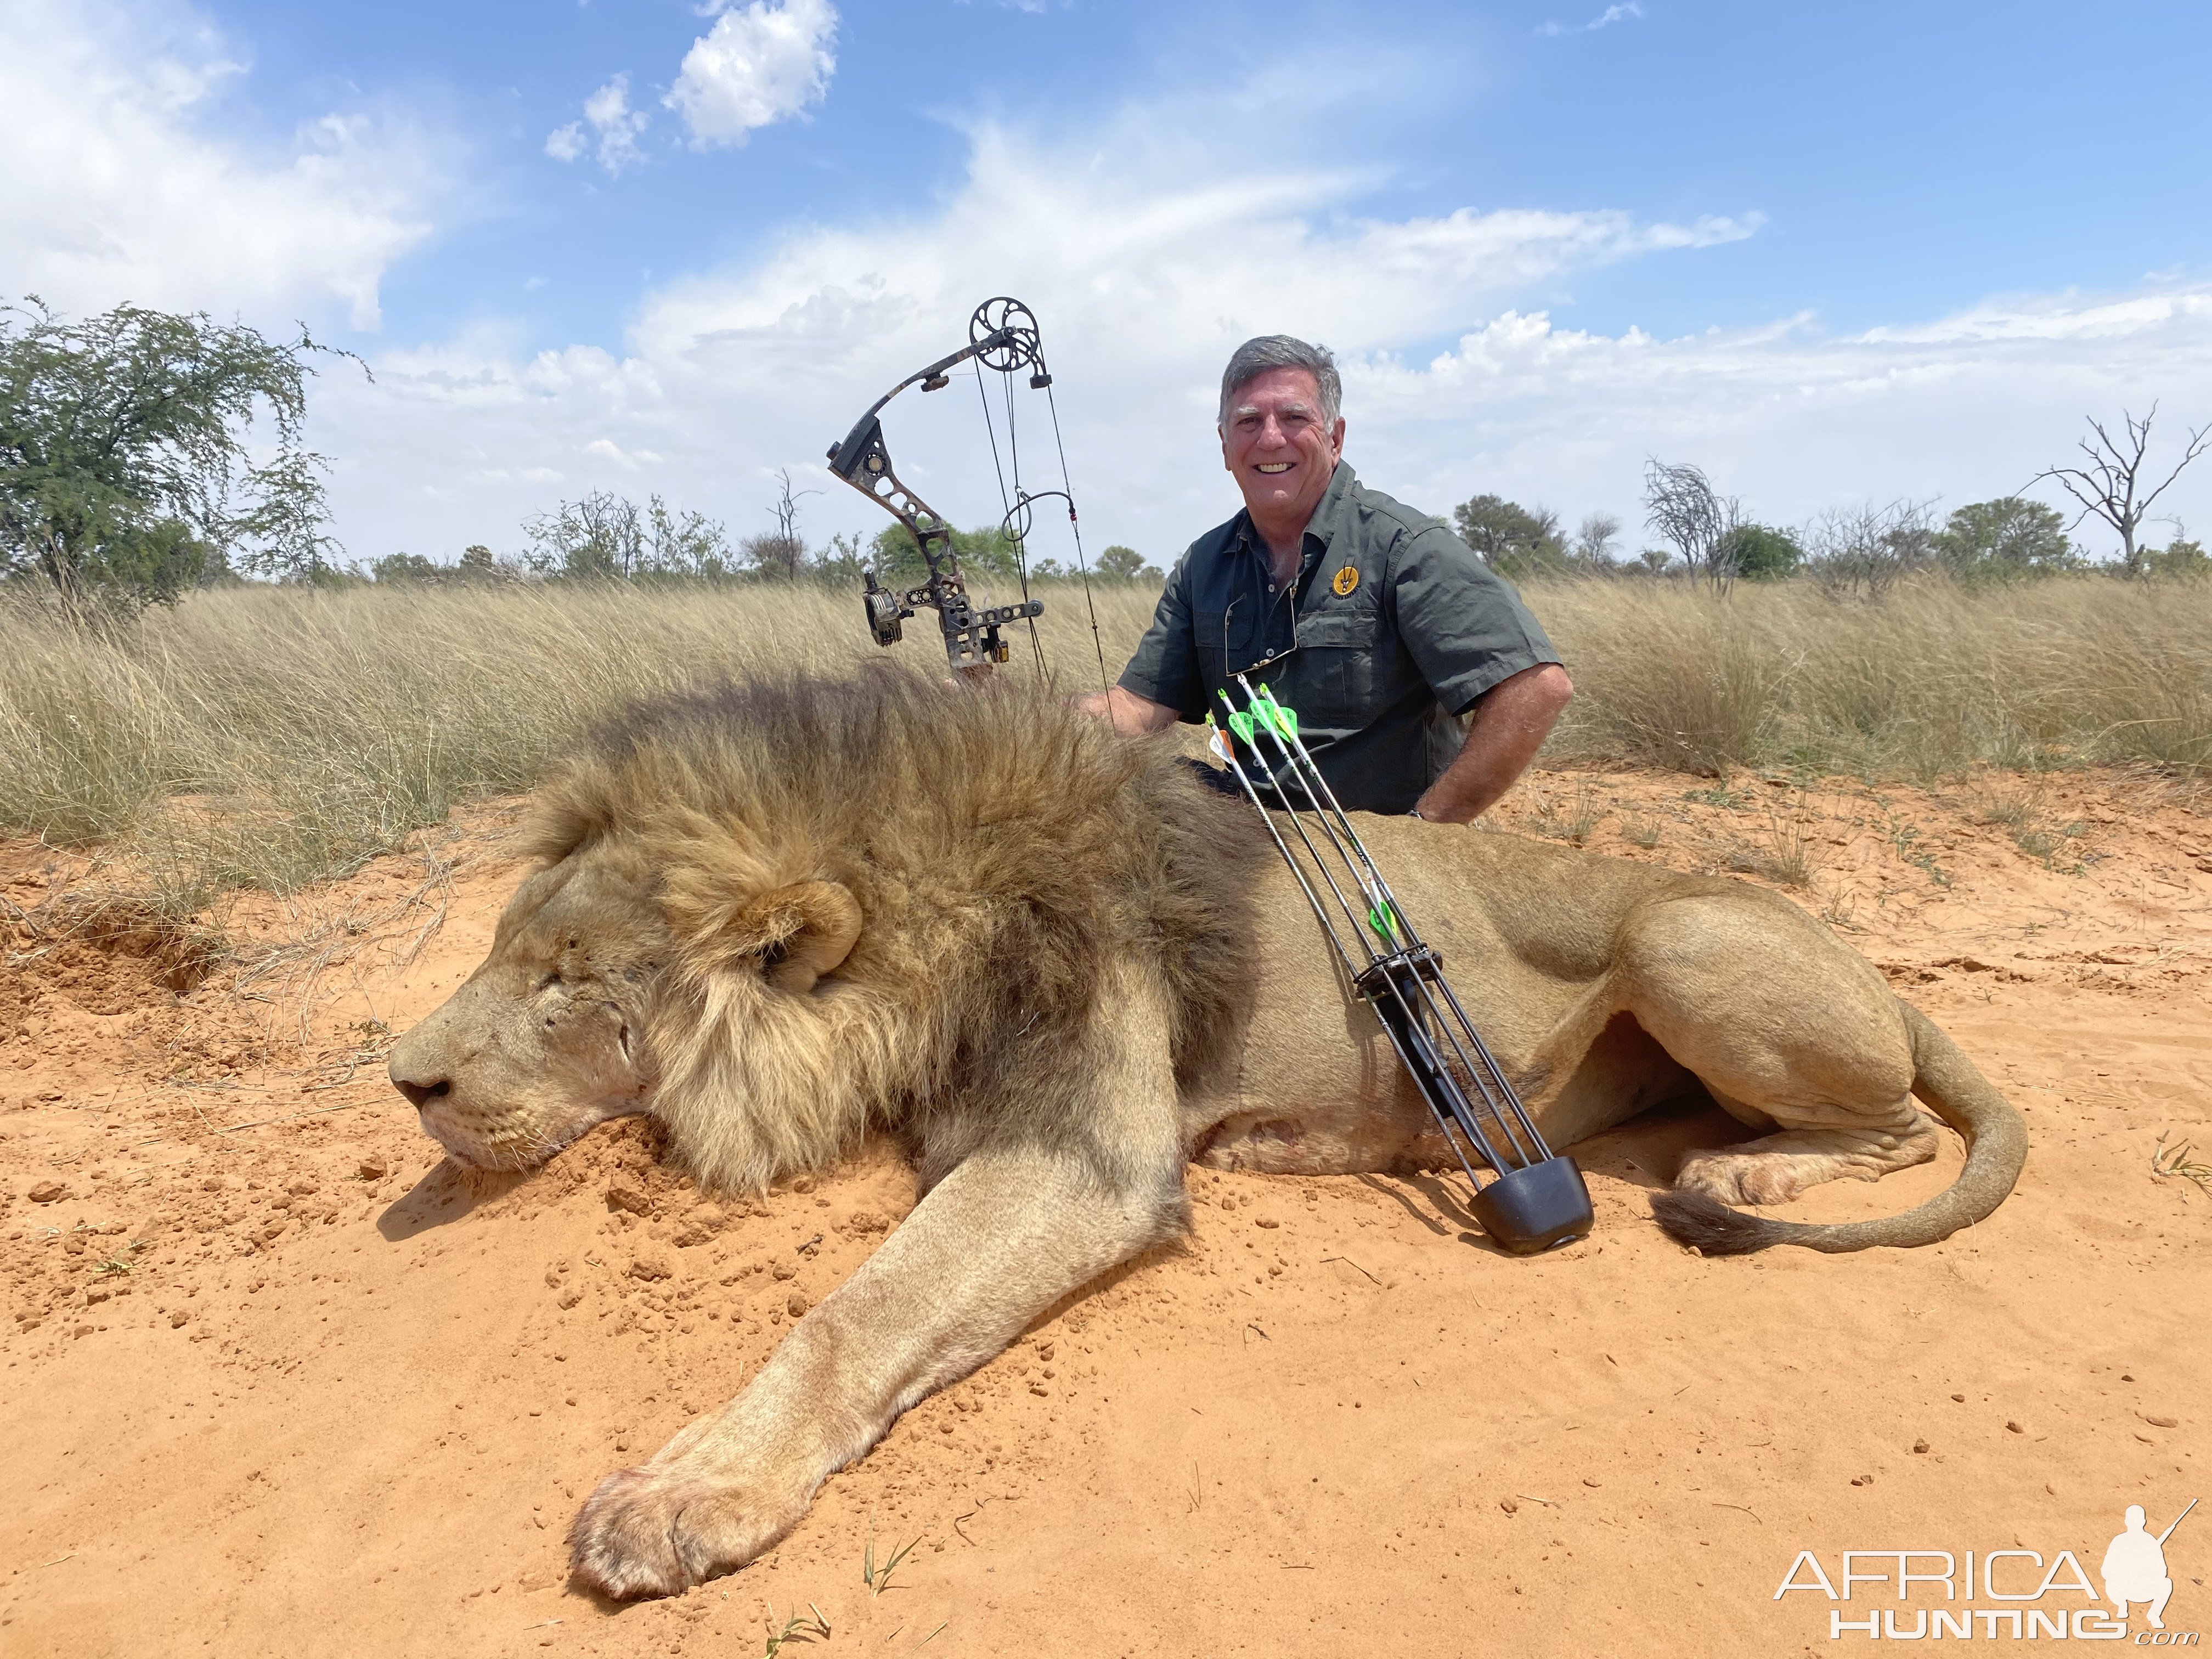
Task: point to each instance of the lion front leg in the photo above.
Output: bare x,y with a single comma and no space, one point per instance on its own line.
1007,1233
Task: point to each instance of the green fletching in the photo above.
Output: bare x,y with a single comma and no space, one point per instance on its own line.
1240,723
1286,717
1383,919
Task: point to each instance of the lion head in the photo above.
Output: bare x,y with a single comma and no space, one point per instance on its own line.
775,912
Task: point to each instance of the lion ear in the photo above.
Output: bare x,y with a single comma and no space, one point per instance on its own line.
797,934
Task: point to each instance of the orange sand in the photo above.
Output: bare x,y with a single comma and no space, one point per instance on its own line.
329,1395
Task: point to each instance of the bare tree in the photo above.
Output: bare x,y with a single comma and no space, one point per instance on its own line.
1862,550
2110,486
783,552
1594,540
1682,506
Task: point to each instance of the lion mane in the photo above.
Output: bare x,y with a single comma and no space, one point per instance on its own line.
966,858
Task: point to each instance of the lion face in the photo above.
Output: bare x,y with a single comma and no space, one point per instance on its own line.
548,1037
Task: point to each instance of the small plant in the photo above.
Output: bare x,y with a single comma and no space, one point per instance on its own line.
2170,1163
1788,859
809,1626
1573,827
879,1579
1642,829
1719,795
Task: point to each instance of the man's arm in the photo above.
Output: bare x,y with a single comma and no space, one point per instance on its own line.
1506,727
1130,715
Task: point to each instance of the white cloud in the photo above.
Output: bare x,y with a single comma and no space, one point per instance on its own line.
754,67
115,189
1961,408
617,125
1148,256
1611,15
1146,259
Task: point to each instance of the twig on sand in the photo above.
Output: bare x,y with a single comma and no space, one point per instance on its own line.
58,1559
1354,1265
1717,1504
932,1637
1532,1498
1264,1337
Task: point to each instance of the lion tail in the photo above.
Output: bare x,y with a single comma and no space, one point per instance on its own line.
1952,1084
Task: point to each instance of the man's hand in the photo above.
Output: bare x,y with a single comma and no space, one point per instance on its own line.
1508,726
1130,715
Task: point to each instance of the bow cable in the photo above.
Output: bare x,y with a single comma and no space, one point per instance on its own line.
1082,570
1006,506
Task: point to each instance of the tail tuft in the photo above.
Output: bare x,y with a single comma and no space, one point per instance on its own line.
1709,1227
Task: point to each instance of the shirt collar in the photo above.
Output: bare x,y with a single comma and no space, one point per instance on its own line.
1328,518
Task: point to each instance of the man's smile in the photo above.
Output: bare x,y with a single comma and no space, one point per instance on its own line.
1276,466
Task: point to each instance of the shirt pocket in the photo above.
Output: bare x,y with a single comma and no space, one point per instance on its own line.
1341,648
1226,640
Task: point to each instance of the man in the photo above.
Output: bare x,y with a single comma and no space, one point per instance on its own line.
1382,630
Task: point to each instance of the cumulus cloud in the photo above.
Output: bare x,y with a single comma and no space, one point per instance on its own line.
755,67
1961,408
1146,259
616,125
115,188
1148,256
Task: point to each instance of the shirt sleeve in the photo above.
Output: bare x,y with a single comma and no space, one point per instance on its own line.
1464,626
1165,667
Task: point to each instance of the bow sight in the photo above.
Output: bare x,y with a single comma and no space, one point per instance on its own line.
1002,334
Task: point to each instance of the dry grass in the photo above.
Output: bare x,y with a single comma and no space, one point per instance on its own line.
1932,680
270,738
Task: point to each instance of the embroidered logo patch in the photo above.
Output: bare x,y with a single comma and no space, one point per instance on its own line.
1346,579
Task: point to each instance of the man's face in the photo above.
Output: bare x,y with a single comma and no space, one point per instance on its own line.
1276,445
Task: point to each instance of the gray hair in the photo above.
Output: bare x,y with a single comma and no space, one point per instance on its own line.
1257,356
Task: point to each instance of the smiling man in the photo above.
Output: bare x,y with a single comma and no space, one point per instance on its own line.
1420,681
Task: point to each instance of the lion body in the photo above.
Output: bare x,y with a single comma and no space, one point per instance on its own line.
780,915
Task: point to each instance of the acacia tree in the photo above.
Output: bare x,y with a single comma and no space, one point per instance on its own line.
2113,485
125,472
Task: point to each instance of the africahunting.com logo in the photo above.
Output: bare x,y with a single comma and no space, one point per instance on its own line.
2027,1598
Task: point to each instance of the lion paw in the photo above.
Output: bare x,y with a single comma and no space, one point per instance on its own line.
650,1532
1739,1180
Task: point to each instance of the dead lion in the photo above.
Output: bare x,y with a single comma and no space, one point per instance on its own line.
1058,967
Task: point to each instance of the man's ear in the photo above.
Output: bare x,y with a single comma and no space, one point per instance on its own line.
791,935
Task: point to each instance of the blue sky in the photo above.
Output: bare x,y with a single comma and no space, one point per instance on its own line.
1832,253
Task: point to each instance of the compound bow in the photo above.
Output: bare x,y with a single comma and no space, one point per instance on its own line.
1002,334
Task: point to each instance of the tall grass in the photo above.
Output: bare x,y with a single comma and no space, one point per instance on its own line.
1930,680
268,739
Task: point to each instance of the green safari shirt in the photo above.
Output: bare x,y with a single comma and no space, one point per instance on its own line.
1392,628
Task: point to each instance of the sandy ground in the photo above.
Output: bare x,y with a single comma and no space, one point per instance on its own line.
278,1381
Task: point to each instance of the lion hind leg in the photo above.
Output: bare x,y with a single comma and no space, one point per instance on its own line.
1777,1167
1006,1234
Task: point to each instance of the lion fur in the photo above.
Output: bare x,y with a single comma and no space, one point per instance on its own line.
1000,849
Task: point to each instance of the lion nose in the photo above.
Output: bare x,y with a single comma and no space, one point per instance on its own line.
418,1094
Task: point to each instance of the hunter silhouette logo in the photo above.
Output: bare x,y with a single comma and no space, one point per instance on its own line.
2135,1567
2031,1597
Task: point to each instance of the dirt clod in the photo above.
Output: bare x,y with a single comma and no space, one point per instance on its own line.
48,1192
